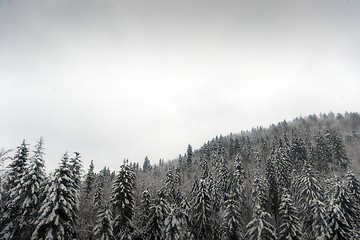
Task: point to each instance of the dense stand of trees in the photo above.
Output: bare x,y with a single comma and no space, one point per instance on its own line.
294,180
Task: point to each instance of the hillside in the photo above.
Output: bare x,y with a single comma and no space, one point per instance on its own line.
293,180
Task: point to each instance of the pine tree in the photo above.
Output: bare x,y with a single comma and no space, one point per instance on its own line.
319,228
15,188
57,215
339,226
338,151
122,199
147,165
232,222
259,190
202,212
290,228
155,226
145,209
89,180
260,227
103,229
175,224
33,185
189,159
322,153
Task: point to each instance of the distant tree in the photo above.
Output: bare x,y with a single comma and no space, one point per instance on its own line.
290,228
189,159
146,165
338,151
89,180
259,191
103,229
322,153
298,151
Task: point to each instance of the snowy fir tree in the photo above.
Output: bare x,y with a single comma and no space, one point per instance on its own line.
103,229
155,227
145,209
290,228
122,199
15,194
57,215
89,180
337,222
232,222
260,227
175,224
202,212
319,228
33,185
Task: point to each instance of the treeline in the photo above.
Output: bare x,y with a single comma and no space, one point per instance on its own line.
293,180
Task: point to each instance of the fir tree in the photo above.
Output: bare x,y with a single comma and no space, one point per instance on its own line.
33,185
319,228
15,188
339,226
122,199
260,227
103,229
202,212
145,209
189,159
155,226
290,228
146,165
175,224
89,180
57,215
232,223
338,151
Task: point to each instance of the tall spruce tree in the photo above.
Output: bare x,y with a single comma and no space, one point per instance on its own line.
103,229
33,185
57,215
122,199
232,222
260,227
202,212
290,228
15,188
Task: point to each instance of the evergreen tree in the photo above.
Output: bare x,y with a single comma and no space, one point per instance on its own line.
189,159
232,223
338,224
175,224
298,152
15,188
89,180
145,209
122,199
322,153
202,212
260,227
103,229
33,185
259,190
338,151
290,228
146,165
57,215
319,228
155,226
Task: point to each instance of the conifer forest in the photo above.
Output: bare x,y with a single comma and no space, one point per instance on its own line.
294,180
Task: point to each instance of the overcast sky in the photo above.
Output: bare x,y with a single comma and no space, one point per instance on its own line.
125,79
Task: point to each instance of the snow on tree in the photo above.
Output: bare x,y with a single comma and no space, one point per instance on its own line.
15,196
338,224
189,159
33,185
202,212
298,151
290,228
175,224
57,215
103,229
338,151
260,227
122,200
155,227
259,191
89,180
147,165
353,186
145,209
319,228
232,222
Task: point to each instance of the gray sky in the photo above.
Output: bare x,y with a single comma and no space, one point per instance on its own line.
117,79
